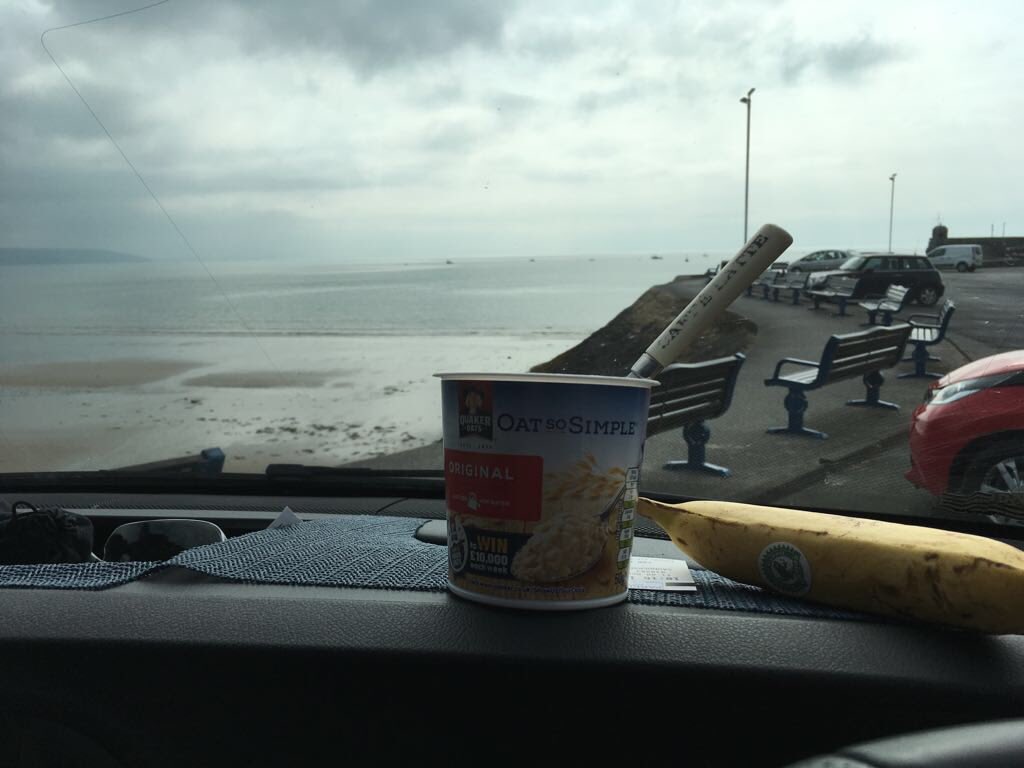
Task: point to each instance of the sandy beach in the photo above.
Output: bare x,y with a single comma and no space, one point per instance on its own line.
308,399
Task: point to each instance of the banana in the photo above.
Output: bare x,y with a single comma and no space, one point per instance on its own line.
903,571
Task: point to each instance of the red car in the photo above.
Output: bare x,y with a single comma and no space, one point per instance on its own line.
968,435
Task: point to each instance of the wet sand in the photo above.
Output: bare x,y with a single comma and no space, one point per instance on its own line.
99,374
266,379
316,400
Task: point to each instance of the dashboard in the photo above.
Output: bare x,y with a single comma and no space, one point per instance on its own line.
180,668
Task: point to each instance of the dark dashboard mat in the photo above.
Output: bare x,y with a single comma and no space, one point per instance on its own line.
368,552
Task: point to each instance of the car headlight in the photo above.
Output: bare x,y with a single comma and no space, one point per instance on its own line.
962,389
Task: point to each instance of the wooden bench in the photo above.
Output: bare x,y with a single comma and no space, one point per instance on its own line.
796,283
927,334
840,288
770,283
862,353
689,395
895,299
763,283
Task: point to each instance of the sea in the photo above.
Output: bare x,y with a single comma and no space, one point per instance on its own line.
107,365
518,297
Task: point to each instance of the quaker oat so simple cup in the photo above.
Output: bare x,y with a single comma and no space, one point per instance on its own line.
541,476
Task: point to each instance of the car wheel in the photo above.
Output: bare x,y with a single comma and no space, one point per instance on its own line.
927,297
998,470
961,267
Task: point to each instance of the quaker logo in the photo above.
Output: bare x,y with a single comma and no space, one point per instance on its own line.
476,410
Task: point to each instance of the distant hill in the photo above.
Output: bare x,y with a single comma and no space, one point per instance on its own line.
19,256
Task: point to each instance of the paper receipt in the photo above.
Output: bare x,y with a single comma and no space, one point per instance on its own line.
660,574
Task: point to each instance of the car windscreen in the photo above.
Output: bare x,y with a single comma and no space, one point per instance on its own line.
235,235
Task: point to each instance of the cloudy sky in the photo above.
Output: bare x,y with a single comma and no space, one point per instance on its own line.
399,129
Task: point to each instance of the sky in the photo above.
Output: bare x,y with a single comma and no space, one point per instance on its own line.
399,130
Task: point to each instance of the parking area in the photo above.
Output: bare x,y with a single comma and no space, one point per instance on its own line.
990,313
863,461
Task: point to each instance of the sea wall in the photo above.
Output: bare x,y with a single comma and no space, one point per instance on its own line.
995,250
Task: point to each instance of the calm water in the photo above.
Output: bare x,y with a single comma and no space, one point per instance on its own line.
492,297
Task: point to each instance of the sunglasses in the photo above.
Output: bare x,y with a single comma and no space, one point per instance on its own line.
30,534
149,540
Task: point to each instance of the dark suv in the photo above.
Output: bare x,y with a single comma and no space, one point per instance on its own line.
877,272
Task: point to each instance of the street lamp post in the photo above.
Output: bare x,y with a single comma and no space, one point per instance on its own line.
892,200
746,181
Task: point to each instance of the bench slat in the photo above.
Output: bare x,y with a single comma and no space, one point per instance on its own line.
667,401
689,391
852,351
880,338
859,367
680,395
667,407
801,377
852,355
701,412
694,378
878,352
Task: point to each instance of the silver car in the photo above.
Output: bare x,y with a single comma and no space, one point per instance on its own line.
821,260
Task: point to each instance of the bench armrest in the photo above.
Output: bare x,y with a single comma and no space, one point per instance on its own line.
933,318
794,361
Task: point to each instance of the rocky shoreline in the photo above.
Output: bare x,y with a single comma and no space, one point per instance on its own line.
611,350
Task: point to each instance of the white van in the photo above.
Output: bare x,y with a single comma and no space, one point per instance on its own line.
962,258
